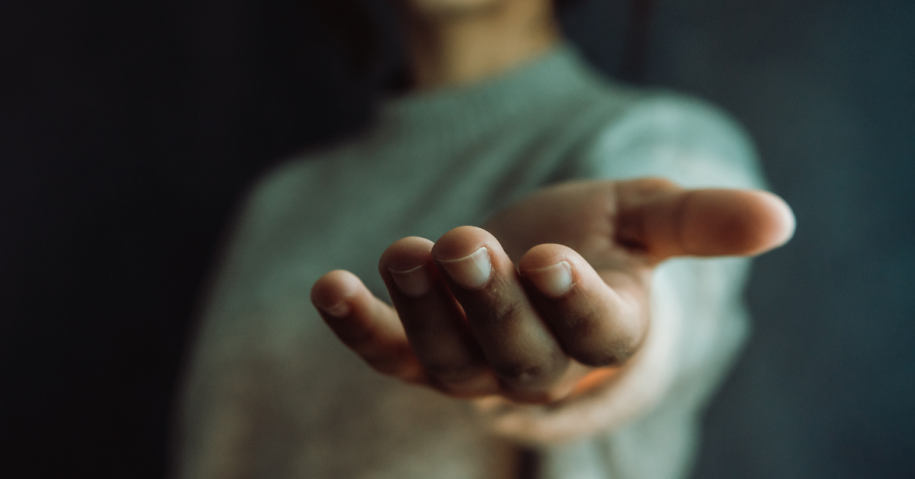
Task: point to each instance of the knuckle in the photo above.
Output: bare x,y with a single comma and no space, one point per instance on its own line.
506,312
582,323
520,374
591,339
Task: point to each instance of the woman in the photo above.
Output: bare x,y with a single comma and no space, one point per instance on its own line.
555,326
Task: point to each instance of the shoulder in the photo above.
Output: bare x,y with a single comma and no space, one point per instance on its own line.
659,133
292,192
664,117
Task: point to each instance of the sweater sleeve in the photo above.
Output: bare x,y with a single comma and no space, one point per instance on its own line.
698,322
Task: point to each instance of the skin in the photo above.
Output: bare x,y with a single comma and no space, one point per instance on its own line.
508,337
453,42
514,335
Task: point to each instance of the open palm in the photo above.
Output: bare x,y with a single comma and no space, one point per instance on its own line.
551,296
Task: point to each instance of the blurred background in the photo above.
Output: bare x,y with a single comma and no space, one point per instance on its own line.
129,132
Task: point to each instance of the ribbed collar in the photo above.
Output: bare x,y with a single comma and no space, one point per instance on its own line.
457,114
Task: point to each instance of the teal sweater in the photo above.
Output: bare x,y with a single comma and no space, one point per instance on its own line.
271,393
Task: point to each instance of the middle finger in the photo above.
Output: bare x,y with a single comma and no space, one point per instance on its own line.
517,343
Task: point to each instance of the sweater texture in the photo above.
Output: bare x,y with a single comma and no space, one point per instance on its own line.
270,391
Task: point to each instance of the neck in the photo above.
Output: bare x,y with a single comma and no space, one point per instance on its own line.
453,48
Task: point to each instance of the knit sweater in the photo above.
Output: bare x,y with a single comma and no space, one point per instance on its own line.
270,392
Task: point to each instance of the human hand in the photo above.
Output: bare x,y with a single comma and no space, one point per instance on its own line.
550,296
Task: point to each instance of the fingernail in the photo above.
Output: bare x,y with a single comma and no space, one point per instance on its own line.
553,280
413,282
338,310
472,271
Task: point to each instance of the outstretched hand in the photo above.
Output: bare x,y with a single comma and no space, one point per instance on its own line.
550,296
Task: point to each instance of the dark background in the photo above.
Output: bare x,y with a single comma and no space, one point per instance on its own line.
129,132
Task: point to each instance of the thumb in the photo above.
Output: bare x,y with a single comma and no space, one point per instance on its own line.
663,220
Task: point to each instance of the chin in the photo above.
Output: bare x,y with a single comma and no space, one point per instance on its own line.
450,7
